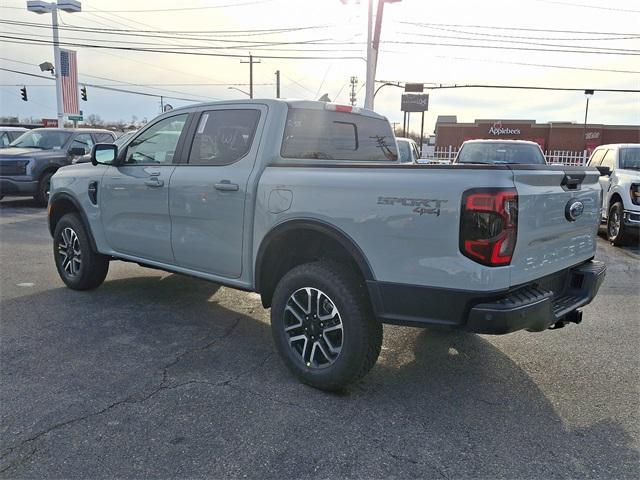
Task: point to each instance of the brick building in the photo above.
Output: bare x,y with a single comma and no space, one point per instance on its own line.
550,136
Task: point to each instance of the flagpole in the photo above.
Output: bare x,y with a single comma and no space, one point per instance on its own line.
57,60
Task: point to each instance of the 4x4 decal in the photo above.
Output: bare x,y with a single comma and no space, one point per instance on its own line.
429,206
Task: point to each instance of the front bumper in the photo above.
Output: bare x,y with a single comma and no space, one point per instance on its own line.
19,187
631,219
538,306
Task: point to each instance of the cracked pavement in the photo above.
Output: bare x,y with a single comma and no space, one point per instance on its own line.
160,375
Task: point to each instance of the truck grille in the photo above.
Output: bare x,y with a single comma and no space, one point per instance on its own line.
13,167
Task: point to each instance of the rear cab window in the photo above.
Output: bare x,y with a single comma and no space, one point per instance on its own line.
333,135
501,153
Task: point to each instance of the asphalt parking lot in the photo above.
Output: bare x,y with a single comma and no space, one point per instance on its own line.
161,375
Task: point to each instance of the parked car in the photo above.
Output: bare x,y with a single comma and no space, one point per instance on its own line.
407,150
9,134
121,140
500,152
619,166
306,204
29,162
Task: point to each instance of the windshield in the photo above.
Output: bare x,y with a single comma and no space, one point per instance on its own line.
404,151
501,153
630,158
42,139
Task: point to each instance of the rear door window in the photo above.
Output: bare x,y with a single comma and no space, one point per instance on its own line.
596,158
223,136
329,135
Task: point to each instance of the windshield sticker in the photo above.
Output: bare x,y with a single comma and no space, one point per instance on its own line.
203,122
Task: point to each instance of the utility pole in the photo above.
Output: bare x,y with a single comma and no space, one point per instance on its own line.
250,62
40,7
373,45
352,96
277,83
371,74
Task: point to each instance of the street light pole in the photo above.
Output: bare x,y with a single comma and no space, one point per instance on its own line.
588,94
40,7
56,62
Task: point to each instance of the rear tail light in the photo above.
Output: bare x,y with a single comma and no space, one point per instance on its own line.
489,225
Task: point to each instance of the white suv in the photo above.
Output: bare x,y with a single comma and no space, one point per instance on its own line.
619,166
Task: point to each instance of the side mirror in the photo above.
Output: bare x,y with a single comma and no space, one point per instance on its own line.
104,154
77,151
604,171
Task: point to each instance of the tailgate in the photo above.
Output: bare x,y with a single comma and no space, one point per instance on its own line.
550,236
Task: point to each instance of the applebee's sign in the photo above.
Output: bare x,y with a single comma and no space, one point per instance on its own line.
498,129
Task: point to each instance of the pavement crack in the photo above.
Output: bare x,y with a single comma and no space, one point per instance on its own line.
129,399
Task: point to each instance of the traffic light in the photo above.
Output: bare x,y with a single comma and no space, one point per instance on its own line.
23,93
83,93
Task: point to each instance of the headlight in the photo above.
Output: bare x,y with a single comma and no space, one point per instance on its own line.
634,192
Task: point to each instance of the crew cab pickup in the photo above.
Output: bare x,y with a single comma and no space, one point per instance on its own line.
619,166
306,204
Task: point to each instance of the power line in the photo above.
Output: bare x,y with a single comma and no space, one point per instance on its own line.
206,7
103,87
582,5
522,42
542,65
521,87
525,29
504,35
29,41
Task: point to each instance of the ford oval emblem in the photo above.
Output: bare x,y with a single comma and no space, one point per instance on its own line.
573,210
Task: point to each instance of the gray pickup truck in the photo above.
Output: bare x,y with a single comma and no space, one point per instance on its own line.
306,204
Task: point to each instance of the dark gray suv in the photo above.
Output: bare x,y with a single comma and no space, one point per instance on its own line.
27,165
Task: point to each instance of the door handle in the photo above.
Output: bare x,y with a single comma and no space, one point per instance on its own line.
154,182
227,186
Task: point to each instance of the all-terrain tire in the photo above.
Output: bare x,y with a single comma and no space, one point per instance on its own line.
79,266
361,331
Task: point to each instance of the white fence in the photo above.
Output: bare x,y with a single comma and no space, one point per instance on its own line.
444,155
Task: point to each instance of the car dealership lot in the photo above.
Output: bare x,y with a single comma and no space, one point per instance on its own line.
163,375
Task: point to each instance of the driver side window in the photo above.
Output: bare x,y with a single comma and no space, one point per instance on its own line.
157,144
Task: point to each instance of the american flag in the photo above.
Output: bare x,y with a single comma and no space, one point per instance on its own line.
69,78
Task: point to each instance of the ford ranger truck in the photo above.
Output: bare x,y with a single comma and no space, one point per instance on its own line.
306,204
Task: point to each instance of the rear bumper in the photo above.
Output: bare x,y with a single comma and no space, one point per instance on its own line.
535,306
12,186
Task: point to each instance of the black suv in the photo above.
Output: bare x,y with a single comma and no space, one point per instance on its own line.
27,165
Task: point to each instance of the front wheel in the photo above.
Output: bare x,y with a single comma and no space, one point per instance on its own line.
616,232
79,267
42,193
323,326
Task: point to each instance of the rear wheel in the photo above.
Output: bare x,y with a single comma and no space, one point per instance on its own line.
79,267
323,326
616,231
42,193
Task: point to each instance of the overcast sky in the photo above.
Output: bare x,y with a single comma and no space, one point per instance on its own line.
411,28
